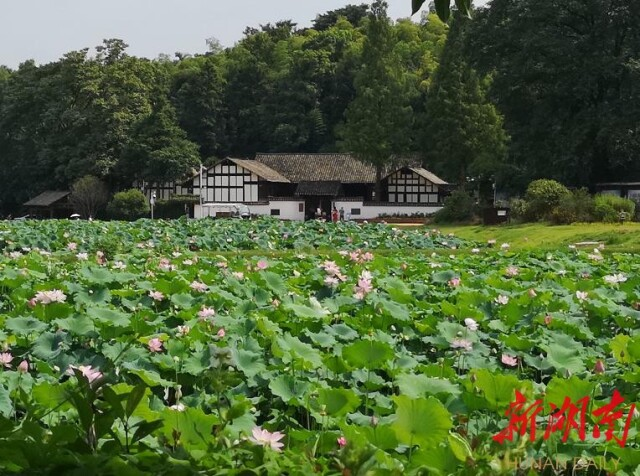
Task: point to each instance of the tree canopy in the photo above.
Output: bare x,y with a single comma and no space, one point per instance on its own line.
559,79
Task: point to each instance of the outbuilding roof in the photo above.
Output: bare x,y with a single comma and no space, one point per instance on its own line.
47,198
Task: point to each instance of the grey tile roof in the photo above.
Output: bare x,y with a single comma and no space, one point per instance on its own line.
260,170
47,198
335,167
318,188
298,168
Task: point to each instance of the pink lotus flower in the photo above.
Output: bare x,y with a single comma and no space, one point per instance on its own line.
368,256
87,371
206,312
165,265
72,246
512,271
509,360
267,439
156,295
199,286
471,324
262,264
342,442
331,281
454,282
155,345
331,268
23,367
5,359
582,295
548,319
221,333
48,297
239,275
222,264
363,288
462,344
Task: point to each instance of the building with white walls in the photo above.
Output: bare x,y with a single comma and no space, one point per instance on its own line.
297,186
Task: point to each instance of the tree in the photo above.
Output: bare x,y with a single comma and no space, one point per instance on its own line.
378,121
89,195
198,96
443,7
566,79
463,133
128,205
354,14
159,150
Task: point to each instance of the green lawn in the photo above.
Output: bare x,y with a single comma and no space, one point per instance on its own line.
616,237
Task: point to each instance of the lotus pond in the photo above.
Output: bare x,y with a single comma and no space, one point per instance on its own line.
168,348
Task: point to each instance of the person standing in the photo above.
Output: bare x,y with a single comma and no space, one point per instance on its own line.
341,213
335,215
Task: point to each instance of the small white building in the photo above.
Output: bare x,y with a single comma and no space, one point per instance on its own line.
296,186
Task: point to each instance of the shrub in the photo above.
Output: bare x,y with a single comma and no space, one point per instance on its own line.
576,207
129,205
542,197
518,209
458,207
175,206
609,207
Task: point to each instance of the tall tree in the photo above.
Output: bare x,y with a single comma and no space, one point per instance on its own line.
378,121
89,195
354,14
566,80
198,97
463,133
159,149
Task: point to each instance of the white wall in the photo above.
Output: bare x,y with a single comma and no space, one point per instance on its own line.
289,210
374,211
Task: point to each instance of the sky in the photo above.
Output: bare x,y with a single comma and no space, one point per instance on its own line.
44,30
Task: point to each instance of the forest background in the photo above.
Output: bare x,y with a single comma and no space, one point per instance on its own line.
526,89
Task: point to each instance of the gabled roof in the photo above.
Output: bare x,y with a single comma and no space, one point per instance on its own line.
430,176
318,189
298,168
260,170
343,168
257,168
47,198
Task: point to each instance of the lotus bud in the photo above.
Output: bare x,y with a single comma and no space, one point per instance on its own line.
599,367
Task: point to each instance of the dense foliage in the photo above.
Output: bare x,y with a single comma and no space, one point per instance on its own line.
526,89
566,77
218,235
172,360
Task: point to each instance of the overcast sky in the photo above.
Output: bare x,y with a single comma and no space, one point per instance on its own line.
44,30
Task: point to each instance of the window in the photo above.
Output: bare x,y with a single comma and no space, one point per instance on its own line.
355,211
406,172
301,207
275,212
